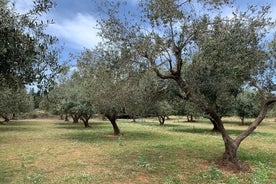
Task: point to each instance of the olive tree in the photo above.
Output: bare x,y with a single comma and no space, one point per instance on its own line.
27,53
82,102
14,102
118,87
222,53
103,82
153,97
71,98
246,106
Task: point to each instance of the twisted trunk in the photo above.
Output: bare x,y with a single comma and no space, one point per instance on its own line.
230,157
112,118
85,122
75,118
85,119
215,126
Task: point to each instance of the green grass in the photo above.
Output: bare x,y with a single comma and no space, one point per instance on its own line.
53,151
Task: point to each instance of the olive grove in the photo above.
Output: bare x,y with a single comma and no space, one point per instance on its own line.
212,58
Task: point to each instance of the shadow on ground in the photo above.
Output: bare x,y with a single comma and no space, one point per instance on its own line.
17,126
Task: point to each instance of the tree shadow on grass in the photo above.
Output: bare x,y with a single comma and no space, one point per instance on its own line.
17,127
104,135
80,125
209,131
194,130
156,124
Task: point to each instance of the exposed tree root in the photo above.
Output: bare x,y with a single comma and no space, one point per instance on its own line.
232,167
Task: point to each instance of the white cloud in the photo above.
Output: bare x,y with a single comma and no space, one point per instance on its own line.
78,32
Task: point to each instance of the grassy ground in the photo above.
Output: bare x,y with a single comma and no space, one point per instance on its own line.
53,151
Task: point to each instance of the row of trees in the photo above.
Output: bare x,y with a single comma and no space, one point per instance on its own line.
99,87
102,84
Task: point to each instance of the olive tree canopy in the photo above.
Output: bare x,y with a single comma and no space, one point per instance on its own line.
27,53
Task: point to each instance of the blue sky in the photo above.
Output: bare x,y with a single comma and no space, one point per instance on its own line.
75,21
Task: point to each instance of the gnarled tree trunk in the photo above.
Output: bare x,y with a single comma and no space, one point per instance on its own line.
215,125
229,157
85,119
75,118
112,118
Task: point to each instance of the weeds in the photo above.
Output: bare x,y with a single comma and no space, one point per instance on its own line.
80,178
34,178
260,175
172,180
121,141
215,173
142,162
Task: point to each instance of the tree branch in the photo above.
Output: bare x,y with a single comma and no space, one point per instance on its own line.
257,121
261,91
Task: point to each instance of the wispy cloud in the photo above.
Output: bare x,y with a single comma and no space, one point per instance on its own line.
78,32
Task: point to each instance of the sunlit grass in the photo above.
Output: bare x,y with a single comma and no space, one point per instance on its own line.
53,151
